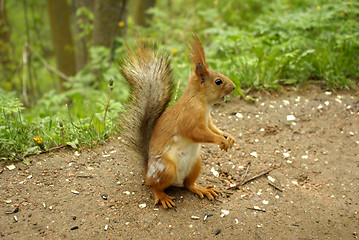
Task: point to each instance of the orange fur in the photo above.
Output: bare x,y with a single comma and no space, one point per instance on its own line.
174,152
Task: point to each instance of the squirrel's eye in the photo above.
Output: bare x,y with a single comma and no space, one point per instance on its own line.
218,81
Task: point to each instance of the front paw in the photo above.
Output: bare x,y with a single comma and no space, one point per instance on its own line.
223,143
229,137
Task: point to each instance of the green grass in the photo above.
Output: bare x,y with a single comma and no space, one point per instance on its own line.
260,45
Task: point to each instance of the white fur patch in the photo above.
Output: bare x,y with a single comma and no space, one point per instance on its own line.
185,153
154,169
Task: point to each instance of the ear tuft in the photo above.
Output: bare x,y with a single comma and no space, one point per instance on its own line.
195,53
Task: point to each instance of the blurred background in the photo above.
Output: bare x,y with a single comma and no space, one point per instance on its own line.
58,56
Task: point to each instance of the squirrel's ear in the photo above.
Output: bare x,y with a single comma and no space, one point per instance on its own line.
201,72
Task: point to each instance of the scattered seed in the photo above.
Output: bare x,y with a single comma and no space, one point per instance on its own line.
75,192
104,196
218,231
207,216
194,217
106,227
265,202
44,204
9,212
74,228
143,205
254,154
126,192
7,201
15,218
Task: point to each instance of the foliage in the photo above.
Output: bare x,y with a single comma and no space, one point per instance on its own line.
258,44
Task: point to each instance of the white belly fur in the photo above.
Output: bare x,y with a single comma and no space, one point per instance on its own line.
184,153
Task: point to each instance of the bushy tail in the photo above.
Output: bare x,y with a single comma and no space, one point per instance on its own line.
149,74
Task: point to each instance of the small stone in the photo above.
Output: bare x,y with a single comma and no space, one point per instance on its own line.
215,173
74,228
225,212
290,118
218,231
11,167
239,115
271,179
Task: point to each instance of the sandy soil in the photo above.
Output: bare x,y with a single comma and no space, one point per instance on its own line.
309,141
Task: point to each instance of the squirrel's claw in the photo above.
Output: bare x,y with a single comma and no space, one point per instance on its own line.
208,191
165,200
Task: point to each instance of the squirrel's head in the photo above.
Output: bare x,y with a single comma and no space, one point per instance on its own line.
211,84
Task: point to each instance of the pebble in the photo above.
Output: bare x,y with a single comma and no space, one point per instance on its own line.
290,118
143,205
218,231
215,173
11,167
271,179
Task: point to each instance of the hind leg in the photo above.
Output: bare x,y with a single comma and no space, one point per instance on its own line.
190,180
160,175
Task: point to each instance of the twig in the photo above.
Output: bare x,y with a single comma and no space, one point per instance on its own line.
49,67
246,173
251,179
255,177
110,86
275,187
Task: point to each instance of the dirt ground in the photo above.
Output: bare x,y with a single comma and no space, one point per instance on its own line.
309,141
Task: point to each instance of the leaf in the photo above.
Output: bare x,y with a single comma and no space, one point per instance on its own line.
73,144
289,81
26,161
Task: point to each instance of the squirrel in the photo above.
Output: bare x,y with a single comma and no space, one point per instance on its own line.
169,140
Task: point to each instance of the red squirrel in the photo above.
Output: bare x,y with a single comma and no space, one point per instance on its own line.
169,140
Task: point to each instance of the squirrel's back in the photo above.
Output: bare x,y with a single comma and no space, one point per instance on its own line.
147,69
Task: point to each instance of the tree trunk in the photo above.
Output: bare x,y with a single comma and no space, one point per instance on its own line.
6,60
82,9
140,14
61,37
110,21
